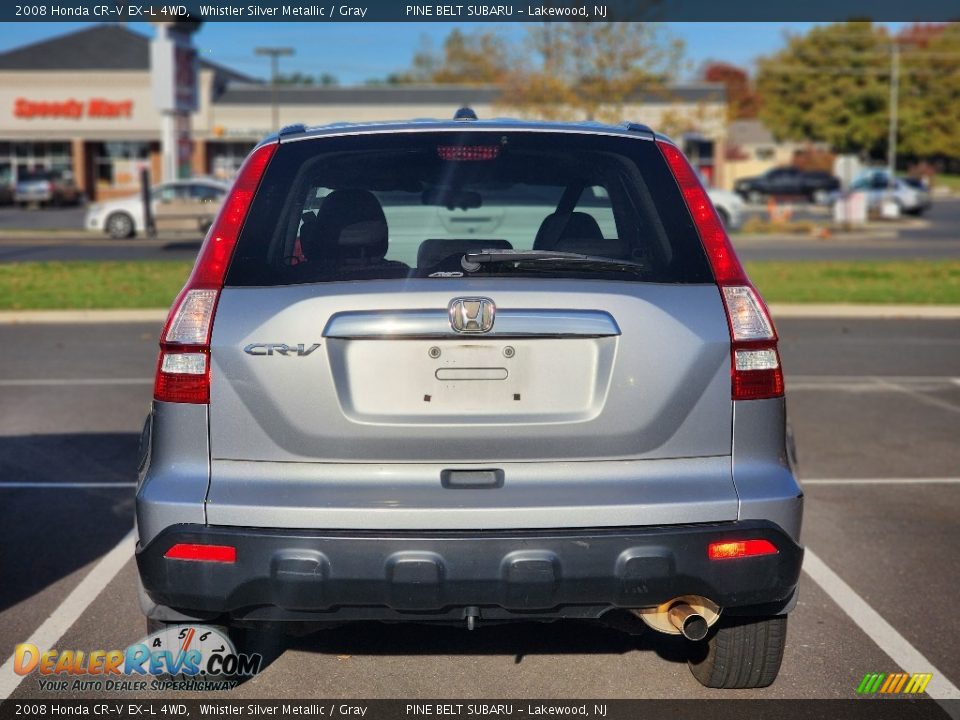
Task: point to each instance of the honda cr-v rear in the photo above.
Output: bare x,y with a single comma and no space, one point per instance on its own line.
473,372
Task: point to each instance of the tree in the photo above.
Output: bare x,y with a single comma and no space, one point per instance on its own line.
929,123
591,70
833,85
830,85
476,58
919,35
742,101
299,78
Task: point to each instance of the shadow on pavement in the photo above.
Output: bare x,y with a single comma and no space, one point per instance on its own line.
567,637
47,534
70,457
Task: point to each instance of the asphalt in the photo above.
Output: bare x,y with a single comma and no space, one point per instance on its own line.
55,234
867,399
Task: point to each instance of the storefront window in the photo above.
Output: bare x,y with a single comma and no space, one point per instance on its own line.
227,157
20,158
116,165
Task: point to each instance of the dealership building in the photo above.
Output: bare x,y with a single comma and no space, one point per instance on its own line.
83,102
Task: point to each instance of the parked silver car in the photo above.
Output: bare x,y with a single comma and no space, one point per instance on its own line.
910,195
473,372
47,187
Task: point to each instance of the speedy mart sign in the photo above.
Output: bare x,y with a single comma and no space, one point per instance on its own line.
72,109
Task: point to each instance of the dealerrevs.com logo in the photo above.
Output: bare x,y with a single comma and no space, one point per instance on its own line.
179,657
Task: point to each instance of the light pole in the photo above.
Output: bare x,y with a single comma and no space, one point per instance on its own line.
894,99
274,53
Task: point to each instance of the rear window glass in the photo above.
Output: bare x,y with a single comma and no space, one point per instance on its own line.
382,206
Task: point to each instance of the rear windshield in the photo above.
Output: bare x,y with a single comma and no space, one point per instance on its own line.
386,206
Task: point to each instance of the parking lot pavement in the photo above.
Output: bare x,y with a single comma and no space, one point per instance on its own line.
932,237
54,218
869,400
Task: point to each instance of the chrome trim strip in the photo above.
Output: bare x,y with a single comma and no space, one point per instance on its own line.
394,324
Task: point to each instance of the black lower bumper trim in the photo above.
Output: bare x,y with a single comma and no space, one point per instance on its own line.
524,571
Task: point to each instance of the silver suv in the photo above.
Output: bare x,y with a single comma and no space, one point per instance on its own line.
468,372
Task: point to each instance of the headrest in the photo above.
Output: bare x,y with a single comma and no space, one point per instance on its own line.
349,224
564,226
434,251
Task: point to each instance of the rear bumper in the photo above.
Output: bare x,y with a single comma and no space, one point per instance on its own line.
284,574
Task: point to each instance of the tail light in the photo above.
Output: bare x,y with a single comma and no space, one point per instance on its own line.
183,368
755,371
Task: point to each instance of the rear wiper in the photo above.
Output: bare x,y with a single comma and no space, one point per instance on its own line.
471,262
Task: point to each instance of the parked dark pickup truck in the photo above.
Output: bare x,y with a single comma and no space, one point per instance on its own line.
816,186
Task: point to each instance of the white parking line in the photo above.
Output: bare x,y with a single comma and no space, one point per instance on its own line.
63,485
920,397
910,384
58,382
72,607
897,647
883,481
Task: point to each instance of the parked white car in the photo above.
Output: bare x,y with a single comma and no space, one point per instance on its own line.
730,207
181,205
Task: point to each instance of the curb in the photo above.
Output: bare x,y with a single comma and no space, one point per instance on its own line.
778,310
46,317
882,312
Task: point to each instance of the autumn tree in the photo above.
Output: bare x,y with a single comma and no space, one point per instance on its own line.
830,85
590,70
742,100
475,58
833,85
929,121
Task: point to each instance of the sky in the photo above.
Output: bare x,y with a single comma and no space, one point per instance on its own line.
355,52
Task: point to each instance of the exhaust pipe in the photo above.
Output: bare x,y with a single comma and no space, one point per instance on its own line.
691,624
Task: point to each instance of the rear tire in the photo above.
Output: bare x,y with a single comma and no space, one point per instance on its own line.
742,652
120,226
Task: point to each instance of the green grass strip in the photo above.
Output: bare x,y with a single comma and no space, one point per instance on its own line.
154,284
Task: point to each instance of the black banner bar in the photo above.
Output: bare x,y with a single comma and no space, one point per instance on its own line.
854,709
476,11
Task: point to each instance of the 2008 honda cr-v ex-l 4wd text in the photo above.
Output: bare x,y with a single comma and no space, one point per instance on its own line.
473,371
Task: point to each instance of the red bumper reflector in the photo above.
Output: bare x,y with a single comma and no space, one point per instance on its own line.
202,553
740,549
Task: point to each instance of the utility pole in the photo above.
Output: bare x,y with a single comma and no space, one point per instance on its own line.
894,99
274,53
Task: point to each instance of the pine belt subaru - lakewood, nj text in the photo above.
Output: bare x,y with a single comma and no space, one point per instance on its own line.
473,371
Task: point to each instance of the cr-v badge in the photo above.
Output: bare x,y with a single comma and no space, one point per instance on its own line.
300,350
472,315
